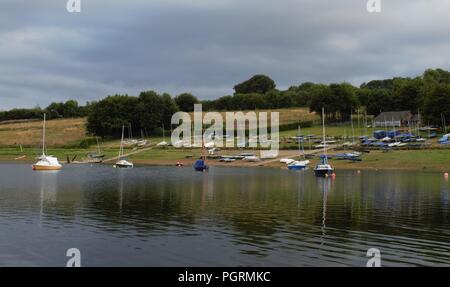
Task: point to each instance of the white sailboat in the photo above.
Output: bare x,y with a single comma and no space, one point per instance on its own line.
46,162
323,168
122,163
163,143
299,164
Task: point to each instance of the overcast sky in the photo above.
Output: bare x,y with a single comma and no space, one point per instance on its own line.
207,46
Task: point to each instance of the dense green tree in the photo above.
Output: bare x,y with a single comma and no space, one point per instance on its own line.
109,114
208,105
375,100
322,97
259,84
19,114
69,109
301,95
186,102
150,110
407,94
345,100
224,103
338,100
169,108
437,76
437,103
428,94
379,84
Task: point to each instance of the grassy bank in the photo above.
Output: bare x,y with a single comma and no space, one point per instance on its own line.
21,142
29,134
426,160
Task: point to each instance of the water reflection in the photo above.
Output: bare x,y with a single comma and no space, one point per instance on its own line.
326,186
228,216
48,183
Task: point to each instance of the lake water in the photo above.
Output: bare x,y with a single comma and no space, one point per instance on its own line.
168,216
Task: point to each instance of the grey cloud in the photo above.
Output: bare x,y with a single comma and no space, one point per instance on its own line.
207,46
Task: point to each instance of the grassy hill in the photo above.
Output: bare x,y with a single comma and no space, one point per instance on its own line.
29,134
287,116
66,132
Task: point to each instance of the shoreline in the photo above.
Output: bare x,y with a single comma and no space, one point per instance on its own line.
338,164
432,160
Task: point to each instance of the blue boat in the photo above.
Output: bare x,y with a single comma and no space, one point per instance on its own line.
379,134
444,139
298,165
200,165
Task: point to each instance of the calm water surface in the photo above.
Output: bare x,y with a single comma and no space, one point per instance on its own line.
167,216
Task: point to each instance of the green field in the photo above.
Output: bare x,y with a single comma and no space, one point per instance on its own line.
427,160
22,141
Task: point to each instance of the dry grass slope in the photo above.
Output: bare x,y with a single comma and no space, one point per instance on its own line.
291,115
29,134
65,131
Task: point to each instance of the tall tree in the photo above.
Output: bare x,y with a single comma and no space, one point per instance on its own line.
437,103
259,84
186,102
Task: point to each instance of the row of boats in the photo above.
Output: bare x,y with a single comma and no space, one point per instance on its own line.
324,168
48,162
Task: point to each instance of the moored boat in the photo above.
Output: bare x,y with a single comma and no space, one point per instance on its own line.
46,162
200,165
323,168
123,162
298,165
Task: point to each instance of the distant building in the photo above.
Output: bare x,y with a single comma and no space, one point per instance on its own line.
397,119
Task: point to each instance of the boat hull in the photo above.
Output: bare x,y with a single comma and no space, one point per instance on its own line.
323,172
297,167
200,165
123,166
44,168
202,168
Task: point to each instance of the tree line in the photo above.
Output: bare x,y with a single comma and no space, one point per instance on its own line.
68,109
428,94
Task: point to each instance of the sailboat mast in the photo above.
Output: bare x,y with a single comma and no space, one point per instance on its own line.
353,128
300,142
164,133
323,131
298,136
98,146
121,143
203,146
43,137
